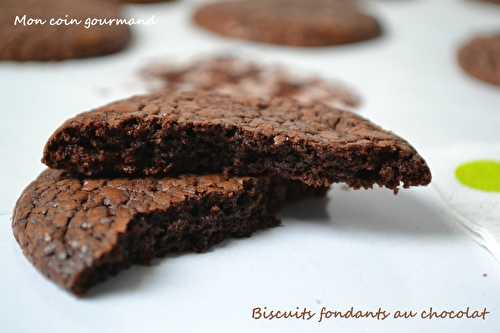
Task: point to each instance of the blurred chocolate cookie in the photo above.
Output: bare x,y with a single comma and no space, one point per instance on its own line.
145,1
242,78
46,30
480,58
496,2
311,23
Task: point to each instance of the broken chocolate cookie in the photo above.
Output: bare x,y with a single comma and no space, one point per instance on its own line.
196,132
78,232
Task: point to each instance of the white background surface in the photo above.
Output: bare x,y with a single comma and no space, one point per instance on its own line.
364,249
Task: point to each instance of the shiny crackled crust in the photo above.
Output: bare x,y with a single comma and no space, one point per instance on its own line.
311,23
480,57
59,42
78,232
200,133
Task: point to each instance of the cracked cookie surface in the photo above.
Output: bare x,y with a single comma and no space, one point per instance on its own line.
78,232
197,132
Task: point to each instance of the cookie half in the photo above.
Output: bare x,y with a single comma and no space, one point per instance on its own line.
21,39
242,78
311,23
197,132
480,58
78,232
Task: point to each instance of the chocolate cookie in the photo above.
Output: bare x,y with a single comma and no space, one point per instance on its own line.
78,232
480,57
22,39
242,78
145,1
200,132
310,23
495,2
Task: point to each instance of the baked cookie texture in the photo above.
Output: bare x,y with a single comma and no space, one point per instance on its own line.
47,42
242,78
78,232
311,23
198,132
480,58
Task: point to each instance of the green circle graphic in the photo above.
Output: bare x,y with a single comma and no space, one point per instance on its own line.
483,175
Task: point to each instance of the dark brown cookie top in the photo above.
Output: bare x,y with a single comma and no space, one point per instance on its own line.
68,226
158,133
311,23
50,41
241,78
480,57
282,118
